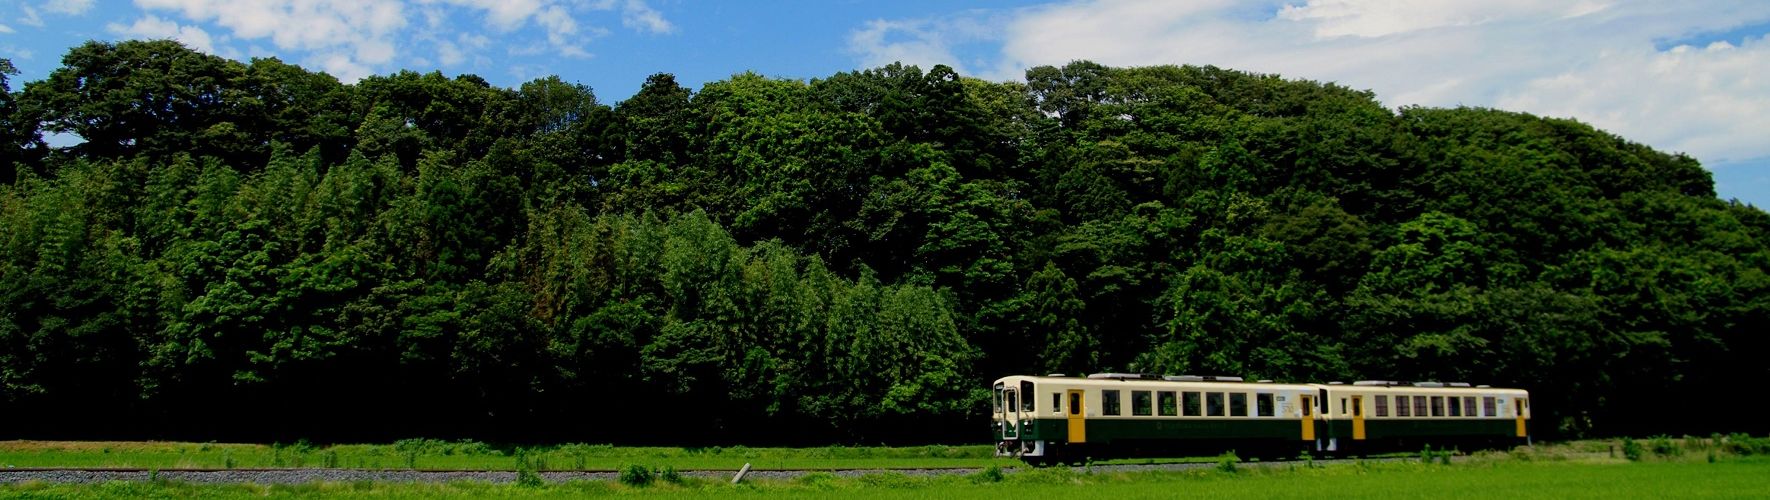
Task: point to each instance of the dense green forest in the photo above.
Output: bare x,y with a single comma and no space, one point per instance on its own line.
255,251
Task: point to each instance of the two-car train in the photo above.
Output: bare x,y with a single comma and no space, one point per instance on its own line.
1058,419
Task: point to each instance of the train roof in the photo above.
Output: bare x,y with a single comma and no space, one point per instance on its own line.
1228,383
1112,380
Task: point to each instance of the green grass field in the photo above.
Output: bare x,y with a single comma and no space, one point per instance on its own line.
435,455
1735,466
1740,477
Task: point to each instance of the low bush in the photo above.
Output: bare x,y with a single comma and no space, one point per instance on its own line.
991,474
636,475
1632,450
1227,462
1663,446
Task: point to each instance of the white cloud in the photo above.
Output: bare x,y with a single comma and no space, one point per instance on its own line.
6,29
69,7
449,54
637,15
340,65
1598,61
506,15
356,38
153,27
883,42
348,35
1375,18
31,17
927,42
1711,101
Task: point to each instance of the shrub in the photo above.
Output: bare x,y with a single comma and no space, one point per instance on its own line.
1632,450
1426,454
669,475
529,478
636,475
991,474
301,447
1226,462
1664,446
1744,444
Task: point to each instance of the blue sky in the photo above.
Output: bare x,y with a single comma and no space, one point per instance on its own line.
1687,76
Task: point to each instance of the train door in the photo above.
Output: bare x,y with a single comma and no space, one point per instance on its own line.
1078,430
1518,412
1308,417
1010,414
1357,417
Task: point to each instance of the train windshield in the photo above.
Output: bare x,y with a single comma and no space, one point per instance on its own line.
997,401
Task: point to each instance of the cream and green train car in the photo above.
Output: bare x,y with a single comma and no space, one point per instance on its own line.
1057,419
1388,416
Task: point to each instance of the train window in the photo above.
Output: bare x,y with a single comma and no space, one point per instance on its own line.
1357,407
1307,406
1263,405
1238,404
1382,405
1190,403
1109,402
1401,407
1166,404
998,399
1026,393
1056,402
1469,406
1437,406
1011,401
1343,406
1419,406
1487,407
1213,404
1075,403
1140,404
1455,405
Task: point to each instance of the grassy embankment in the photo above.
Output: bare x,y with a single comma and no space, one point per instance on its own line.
1582,470
424,454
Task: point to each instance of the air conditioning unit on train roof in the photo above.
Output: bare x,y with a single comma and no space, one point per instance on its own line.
1380,383
1124,376
1428,384
1458,384
1201,378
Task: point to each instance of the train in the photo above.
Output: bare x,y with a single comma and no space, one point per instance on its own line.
1058,419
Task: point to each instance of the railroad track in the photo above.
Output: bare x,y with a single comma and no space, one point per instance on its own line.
313,475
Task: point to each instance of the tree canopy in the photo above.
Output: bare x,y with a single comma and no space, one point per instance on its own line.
257,251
